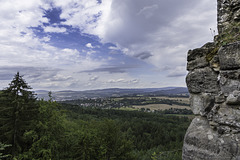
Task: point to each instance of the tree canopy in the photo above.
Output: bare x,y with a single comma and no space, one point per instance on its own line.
17,110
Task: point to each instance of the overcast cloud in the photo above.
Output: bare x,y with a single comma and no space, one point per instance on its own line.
88,44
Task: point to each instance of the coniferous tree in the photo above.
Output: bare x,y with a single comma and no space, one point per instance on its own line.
2,148
17,111
47,134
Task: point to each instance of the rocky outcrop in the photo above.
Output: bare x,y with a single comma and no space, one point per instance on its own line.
214,133
214,85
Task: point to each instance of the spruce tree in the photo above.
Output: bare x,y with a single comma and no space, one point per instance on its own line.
2,148
17,110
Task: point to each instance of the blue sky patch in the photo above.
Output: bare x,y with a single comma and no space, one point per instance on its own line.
53,15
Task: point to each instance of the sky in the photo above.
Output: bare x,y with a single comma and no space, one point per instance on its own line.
96,44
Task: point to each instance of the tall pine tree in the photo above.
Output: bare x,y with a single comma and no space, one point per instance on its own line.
17,110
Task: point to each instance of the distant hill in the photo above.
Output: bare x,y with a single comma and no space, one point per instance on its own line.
173,91
113,92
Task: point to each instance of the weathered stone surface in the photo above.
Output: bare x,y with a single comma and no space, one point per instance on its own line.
200,52
214,63
235,6
197,63
234,98
228,85
204,143
228,116
197,57
200,141
229,81
220,98
215,92
229,147
228,14
201,103
202,80
231,74
213,112
229,56
195,54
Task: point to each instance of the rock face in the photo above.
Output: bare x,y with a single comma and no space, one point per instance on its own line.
214,85
228,14
214,134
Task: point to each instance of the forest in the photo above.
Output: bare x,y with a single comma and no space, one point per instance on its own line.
33,129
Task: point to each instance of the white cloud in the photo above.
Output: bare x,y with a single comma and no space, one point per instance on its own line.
121,80
38,60
113,48
94,78
148,11
116,81
55,29
89,45
60,77
158,32
163,29
87,15
21,14
46,39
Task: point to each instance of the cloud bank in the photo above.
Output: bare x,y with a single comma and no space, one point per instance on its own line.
135,43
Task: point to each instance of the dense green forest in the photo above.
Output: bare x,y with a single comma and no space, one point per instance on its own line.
33,129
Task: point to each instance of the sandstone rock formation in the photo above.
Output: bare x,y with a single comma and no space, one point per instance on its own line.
214,85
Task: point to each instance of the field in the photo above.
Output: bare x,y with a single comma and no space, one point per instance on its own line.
181,99
160,106
165,106
157,103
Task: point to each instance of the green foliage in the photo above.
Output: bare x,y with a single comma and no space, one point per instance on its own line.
47,134
2,148
148,132
167,155
102,140
177,111
17,110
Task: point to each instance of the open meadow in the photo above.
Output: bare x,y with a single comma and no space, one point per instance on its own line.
160,106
